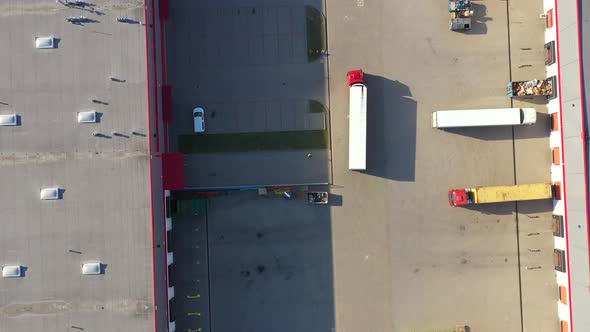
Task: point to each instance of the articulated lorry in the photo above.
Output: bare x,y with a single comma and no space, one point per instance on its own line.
480,195
483,117
357,117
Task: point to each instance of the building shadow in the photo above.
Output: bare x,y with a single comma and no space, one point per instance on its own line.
391,129
271,260
268,259
335,200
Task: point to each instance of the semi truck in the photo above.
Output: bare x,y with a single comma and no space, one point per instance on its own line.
357,117
481,195
483,117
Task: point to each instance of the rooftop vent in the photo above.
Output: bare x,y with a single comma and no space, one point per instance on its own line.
87,117
11,271
50,193
8,120
45,42
91,268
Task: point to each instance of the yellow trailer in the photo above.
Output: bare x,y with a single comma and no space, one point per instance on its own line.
521,192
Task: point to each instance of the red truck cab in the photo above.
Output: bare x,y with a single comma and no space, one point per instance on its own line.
355,76
458,197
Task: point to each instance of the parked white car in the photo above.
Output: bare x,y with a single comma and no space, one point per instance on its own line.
199,120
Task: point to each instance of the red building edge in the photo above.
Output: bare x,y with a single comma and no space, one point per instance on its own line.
171,165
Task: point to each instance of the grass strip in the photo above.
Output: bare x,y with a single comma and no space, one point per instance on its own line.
261,141
316,107
316,33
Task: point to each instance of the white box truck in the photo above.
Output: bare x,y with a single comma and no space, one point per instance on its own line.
357,117
484,117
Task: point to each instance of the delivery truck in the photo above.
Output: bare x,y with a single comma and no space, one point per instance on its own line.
483,117
481,195
357,119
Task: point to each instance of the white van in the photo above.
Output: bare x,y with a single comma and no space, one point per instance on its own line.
199,120
484,117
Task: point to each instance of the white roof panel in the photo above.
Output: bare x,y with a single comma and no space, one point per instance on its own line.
45,42
91,268
8,120
87,117
11,271
50,193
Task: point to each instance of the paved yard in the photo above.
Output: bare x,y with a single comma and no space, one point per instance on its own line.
402,256
269,260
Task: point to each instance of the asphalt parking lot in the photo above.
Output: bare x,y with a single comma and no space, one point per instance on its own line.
270,264
249,67
269,260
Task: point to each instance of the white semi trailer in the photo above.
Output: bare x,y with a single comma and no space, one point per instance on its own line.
484,117
357,117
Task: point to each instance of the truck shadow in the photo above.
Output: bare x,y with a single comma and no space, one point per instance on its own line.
391,129
540,129
504,208
528,208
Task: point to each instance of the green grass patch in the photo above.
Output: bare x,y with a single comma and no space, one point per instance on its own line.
244,142
316,107
316,33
